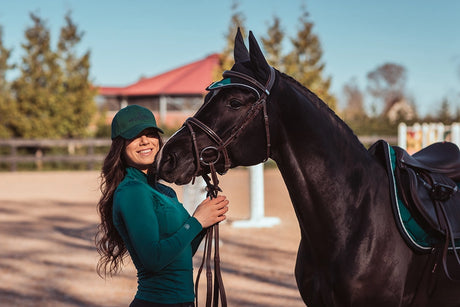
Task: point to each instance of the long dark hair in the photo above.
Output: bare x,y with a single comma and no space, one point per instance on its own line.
109,244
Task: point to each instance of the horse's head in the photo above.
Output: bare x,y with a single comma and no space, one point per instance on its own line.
231,128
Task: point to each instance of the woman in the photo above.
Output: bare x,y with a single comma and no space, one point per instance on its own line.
146,220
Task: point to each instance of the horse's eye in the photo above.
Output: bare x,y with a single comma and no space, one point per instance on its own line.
235,104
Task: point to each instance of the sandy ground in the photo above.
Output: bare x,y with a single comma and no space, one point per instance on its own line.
47,256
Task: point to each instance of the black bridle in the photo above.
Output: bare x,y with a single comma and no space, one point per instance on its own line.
218,150
220,147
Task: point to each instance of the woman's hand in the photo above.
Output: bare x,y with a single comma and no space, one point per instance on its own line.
211,211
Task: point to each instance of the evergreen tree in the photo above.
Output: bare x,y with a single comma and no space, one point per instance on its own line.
304,63
7,106
77,102
354,109
457,115
226,56
39,85
273,44
444,115
54,98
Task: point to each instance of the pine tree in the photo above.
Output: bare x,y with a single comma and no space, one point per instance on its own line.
444,115
54,97
7,106
39,85
304,64
273,44
457,115
226,56
77,102
354,98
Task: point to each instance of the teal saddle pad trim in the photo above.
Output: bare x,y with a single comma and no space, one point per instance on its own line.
416,232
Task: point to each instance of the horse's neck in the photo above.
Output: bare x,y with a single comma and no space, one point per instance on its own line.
328,173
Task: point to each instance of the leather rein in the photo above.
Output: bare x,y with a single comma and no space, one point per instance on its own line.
212,184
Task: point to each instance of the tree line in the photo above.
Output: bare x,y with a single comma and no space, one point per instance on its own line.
387,86
53,97
386,83
303,61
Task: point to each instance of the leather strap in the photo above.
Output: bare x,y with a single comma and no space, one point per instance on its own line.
221,147
212,233
448,240
212,239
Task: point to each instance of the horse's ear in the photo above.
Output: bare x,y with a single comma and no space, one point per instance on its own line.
240,52
257,57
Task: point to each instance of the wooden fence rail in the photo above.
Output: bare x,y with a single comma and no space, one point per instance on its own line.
37,153
38,147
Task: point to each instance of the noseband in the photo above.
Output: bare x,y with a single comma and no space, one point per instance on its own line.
220,146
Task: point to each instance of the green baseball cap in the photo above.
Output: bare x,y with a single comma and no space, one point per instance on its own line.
131,120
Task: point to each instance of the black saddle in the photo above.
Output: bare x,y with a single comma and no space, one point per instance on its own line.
442,157
428,184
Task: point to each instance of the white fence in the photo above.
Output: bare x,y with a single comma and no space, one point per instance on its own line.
415,137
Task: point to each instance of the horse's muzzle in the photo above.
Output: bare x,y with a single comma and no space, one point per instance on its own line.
173,169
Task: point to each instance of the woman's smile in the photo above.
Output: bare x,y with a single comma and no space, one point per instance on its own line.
141,151
145,152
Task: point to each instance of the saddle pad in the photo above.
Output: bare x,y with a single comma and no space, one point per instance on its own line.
419,237
414,235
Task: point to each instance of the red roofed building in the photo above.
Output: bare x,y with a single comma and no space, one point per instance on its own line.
172,96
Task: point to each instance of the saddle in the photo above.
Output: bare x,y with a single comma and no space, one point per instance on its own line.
427,183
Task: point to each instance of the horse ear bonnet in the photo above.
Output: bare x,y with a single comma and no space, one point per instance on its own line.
258,61
241,55
240,52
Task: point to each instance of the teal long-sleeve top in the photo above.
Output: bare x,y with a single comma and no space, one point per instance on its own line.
160,236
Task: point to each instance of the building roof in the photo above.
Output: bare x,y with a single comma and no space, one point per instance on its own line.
192,78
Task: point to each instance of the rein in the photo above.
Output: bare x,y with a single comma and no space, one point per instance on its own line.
212,238
220,149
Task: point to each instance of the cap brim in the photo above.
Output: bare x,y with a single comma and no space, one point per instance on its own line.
134,131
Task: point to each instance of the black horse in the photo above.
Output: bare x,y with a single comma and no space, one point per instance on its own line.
350,253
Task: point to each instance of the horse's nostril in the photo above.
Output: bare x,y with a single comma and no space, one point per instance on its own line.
170,161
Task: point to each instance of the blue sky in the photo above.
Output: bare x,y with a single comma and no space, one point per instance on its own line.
130,39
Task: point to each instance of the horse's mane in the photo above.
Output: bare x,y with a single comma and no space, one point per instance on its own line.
321,105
